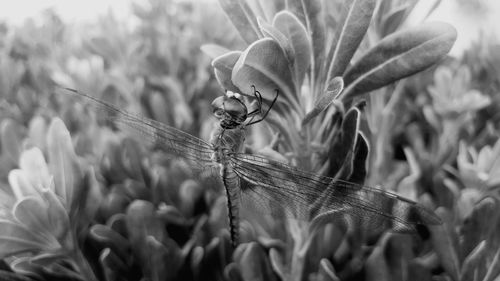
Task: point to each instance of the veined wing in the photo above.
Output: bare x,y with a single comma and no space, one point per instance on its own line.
298,194
170,139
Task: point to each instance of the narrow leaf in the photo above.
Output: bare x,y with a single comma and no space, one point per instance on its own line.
223,68
342,149
272,32
349,35
337,85
63,162
399,55
494,268
471,262
242,18
300,42
444,246
214,50
316,26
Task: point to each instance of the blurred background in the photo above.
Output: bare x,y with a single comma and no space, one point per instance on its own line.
129,213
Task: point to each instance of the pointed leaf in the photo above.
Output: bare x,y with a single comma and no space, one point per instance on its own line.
349,35
242,18
335,87
223,68
399,55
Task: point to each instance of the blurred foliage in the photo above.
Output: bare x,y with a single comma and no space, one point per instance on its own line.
98,205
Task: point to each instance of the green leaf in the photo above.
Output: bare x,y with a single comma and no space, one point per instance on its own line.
394,18
277,263
254,264
399,55
349,35
327,271
32,175
242,18
361,152
444,245
494,268
142,222
112,264
272,32
316,25
335,87
233,272
214,50
296,33
264,65
342,150
15,238
223,69
471,263
63,162
478,225
110,239
10,137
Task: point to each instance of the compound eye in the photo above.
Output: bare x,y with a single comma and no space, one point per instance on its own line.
235,108
229,108
217,106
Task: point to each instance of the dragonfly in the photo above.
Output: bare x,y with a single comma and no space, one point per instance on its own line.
274,188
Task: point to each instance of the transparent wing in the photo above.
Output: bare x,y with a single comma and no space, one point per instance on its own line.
282,190
169,139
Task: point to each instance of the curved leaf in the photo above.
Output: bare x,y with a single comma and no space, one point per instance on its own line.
264,65
272,32
349,35
214,50
300,42
399,55
342,150
34,167
242,18
336,86
223,69
63,162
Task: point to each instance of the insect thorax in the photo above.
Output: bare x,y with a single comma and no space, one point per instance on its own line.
227,141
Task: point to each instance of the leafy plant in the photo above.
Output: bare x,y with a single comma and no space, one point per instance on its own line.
42,221
306,53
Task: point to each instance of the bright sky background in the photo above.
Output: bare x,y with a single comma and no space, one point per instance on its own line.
467,21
